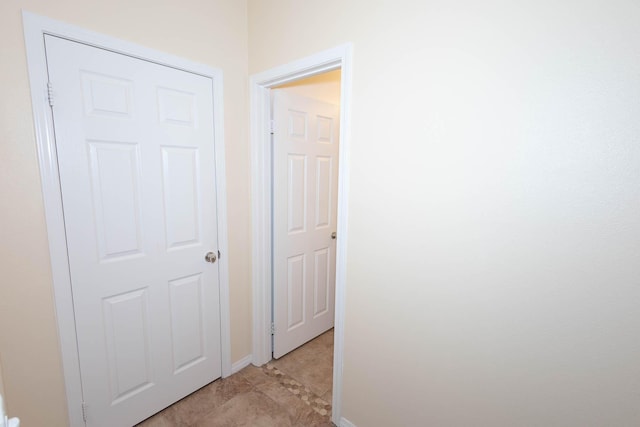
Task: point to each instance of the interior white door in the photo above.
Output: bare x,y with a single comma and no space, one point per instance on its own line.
136,157
305,190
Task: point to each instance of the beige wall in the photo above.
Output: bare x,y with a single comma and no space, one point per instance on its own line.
494,229
1,382
494,179
213,32
324,87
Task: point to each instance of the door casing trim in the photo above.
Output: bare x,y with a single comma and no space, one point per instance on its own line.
260,86
35,27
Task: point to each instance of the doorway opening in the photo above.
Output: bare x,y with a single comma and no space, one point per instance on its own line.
304,152
262,85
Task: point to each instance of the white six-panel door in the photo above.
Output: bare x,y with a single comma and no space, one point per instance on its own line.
305,184
135,150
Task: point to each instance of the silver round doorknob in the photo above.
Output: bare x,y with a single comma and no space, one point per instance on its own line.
210,257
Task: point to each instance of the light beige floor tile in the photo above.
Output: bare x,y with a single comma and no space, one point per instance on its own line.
328,396
248,409
326,339
158,420
289,362
317,377
321,343
255,375
301,414
192,408
296,408
315,371
255,397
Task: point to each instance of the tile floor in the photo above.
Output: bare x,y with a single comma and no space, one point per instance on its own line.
294,390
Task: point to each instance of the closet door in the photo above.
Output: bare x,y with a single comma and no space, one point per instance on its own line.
135,147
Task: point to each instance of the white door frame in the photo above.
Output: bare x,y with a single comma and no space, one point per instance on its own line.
35,27
260,87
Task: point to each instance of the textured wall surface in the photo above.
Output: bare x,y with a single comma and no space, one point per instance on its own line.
209,32
493,273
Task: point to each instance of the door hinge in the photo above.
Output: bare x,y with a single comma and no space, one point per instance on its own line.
50,93
84,412
272,126
273,328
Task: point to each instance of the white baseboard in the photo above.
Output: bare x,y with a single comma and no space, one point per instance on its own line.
241,364
346,423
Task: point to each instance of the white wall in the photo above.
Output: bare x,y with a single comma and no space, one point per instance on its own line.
213,32
494,230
